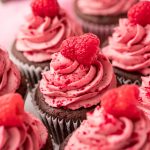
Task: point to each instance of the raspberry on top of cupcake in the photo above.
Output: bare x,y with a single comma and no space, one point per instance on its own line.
18,129
129,46
9,74
117,125
46,27
79,74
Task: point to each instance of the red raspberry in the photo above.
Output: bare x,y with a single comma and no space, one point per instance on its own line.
140,13
11,110
44,8
122,102
82,48
68,48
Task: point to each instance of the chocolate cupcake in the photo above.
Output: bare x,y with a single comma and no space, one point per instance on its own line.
128,47
11,79
19,127
119,124
40,36
100,17
78,77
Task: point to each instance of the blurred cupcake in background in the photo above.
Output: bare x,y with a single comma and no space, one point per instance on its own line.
118,125
79,75
129,46
40,36
19,129
11,79
100,16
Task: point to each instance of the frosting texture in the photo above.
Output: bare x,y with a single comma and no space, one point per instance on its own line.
40,37
72,85
24,137
129,47
102,131
9,75
104,7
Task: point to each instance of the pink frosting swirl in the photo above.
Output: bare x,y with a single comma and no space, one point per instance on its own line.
9,75
104,7
72,85
102,131
25,137
129,47
40,37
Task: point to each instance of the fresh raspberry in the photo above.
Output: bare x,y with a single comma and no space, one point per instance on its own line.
68,47
122,102
86,48
44,8
140,13
82,48
11,110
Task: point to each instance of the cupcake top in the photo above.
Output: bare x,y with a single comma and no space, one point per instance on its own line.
9,74
18,129
79,74
117,125
129,46
44,30
104,7
145,95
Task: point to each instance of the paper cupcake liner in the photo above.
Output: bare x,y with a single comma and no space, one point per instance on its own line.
58,128
32,73
102,31
122,80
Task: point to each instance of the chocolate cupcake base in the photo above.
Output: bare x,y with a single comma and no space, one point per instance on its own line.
60,122
127,77
31,70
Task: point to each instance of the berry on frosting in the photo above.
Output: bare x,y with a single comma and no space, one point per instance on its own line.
82,48
45,8
122,102
140,13
11,110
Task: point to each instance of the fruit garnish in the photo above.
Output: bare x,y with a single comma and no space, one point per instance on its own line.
140,13
11,110
122,102
45,8
81,48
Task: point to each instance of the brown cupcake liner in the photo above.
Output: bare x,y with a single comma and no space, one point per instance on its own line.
102,31
122,80
58,128
32,73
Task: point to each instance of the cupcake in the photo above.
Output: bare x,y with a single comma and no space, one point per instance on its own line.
100,16
10,78
129,47
19,129
118,125
144,98
79,75
40,36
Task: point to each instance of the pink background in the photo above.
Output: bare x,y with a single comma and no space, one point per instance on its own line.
12,16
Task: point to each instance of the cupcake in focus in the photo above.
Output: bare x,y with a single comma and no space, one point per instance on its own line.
118,125
18,129
79,75
129,47
40,36
11,79
100,16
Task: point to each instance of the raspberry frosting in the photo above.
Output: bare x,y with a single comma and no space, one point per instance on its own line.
129,47
104,7
102,131
26,136
9,74
72,85
40,37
